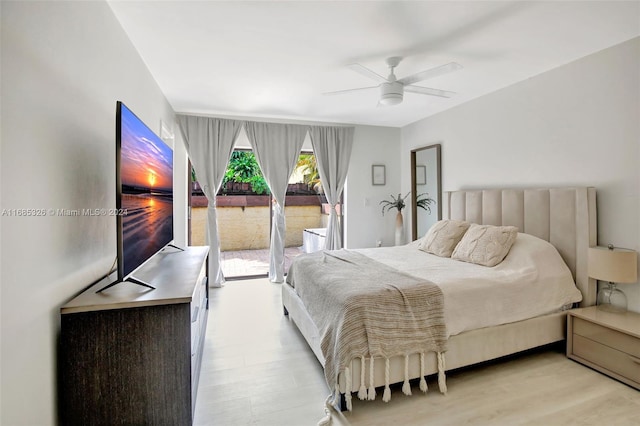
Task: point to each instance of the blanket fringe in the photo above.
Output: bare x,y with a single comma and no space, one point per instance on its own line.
326,420
347,392
372,388
423,381
362,392
442,381
386,396
370,393
406,387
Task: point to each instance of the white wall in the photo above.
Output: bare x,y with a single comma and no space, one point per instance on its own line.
64,65
364,223
574,125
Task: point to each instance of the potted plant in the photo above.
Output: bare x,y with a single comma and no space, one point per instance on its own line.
396,203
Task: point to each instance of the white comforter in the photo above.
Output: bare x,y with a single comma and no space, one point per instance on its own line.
533,280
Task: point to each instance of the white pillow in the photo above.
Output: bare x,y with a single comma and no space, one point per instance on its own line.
486,245
443,237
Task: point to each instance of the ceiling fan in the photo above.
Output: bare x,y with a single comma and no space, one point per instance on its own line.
392,90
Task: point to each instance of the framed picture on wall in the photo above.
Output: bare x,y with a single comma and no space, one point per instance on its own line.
378,174
421,175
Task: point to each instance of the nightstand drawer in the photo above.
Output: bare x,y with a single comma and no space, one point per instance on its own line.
608,358
606,336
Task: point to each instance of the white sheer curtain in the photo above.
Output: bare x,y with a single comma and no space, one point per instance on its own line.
277,148
209,142
332,148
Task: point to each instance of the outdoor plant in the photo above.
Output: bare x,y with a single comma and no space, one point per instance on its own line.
307,164
309,167
243,168
394,203
259,185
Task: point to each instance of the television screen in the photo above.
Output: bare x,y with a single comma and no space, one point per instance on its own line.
145,192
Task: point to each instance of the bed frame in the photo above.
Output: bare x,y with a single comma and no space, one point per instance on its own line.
566,217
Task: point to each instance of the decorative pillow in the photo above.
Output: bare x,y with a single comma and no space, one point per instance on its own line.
485,245
443,237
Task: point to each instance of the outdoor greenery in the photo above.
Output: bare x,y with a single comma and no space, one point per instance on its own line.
307,164
243,168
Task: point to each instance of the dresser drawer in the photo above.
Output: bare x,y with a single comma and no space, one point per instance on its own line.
606,357
198,314
199,297
608,337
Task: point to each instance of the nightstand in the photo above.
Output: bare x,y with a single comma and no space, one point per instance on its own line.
606,341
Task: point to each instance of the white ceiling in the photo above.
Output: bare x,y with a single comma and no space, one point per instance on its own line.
275,59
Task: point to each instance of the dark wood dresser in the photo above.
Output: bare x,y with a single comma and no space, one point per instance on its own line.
131,355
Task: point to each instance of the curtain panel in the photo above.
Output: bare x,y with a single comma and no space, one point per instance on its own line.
332,147
209,142
277,148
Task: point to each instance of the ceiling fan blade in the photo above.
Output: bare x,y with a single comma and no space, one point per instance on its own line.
429,91
339,92
367,72
430,73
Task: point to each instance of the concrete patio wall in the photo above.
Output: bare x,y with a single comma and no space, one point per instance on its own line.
247,228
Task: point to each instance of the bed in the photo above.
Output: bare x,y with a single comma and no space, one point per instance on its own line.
563,217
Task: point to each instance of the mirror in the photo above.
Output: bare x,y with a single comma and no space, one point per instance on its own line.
426,189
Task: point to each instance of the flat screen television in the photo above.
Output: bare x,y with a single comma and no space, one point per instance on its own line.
144,194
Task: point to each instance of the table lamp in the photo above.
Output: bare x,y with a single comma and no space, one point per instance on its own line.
614,265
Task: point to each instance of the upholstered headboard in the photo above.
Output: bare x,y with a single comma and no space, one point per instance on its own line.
566,217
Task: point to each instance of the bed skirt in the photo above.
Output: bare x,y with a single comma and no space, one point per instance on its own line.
464,349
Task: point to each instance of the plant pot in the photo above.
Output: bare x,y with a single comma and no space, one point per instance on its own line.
399,229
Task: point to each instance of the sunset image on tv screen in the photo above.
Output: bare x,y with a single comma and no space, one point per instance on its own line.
146,174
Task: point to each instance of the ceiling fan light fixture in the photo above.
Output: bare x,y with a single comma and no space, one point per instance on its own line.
393,99
392,90
391,93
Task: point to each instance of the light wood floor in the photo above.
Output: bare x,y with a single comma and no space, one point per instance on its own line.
258,370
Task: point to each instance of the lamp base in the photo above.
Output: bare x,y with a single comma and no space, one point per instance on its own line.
611,299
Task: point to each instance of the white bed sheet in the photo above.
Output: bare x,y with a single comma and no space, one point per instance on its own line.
532,280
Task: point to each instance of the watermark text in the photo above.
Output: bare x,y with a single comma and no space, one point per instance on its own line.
58,212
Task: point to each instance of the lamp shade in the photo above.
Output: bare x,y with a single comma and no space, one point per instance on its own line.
613,264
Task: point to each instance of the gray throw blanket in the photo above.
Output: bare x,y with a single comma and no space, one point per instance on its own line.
364,308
